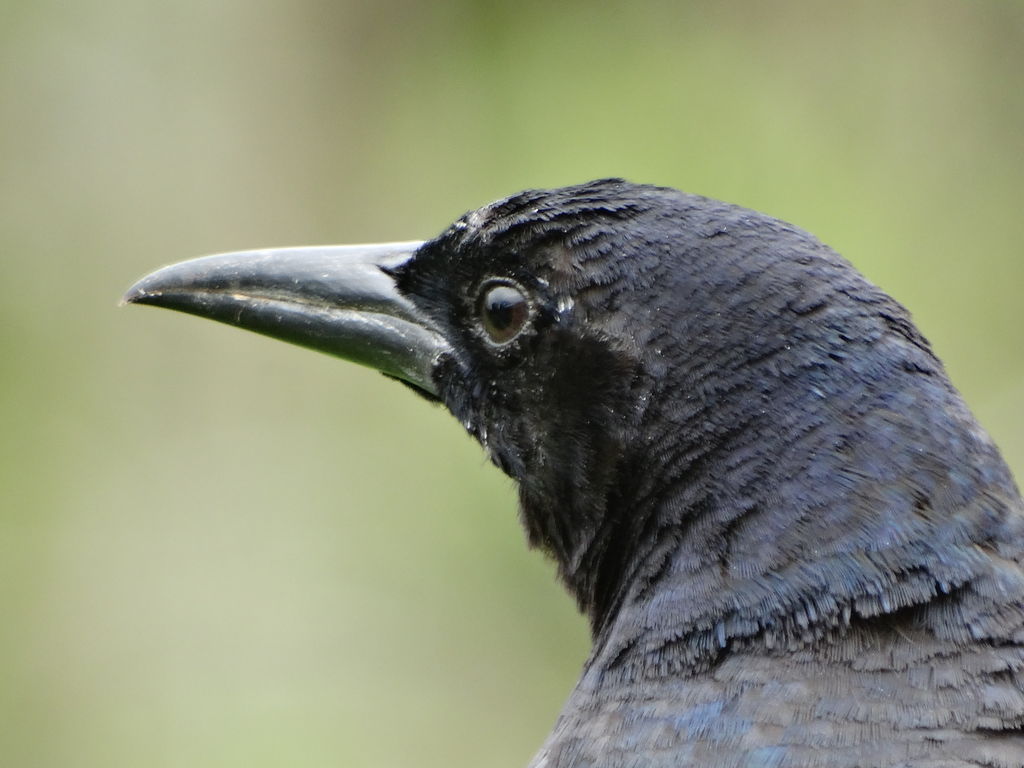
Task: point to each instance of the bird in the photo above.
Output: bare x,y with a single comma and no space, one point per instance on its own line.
794,544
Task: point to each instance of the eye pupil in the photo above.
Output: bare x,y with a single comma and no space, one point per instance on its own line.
502,307
504,311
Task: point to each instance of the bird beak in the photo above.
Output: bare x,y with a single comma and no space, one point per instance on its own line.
341,300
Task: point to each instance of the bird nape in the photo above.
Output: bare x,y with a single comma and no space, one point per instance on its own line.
794,543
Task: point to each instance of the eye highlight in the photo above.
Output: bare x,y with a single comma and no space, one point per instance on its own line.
503,309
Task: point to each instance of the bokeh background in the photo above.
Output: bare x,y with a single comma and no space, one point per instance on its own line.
219,550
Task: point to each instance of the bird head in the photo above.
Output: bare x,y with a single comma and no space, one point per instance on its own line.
667,377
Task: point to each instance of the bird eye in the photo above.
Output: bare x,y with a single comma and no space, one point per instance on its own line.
503,310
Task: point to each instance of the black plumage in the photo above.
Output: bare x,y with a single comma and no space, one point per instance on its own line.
794,543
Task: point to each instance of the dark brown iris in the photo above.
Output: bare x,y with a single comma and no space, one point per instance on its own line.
503,310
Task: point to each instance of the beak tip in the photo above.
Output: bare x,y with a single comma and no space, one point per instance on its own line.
134,295
141,292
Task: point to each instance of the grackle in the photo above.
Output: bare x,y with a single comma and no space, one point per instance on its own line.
795,545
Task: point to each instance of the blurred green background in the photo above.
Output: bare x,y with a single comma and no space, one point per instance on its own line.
220,550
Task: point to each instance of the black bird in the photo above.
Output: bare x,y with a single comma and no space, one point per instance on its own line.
794,543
